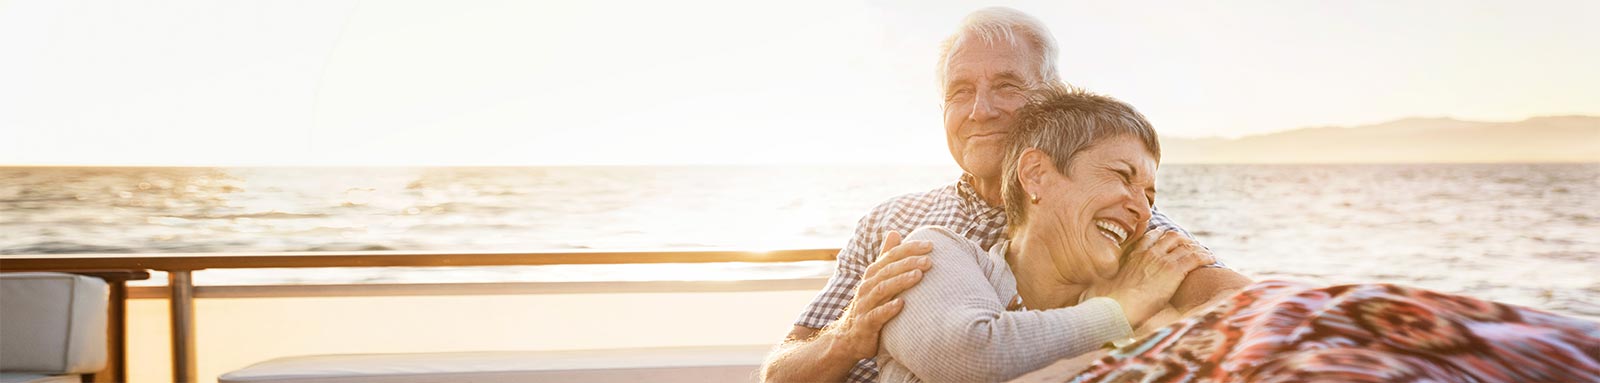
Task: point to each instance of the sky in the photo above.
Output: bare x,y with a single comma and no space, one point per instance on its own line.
358,83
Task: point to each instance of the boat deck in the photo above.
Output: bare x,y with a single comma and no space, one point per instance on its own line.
225,328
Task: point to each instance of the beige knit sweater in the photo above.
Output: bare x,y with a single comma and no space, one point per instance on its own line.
955,327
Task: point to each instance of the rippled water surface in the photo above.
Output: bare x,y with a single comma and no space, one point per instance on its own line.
1524,234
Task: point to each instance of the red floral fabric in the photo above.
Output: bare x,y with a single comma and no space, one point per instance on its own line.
1278,331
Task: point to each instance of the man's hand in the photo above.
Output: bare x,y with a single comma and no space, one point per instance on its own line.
809,355
1151,273
899,267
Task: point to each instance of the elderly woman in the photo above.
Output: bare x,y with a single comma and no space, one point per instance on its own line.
1072,278
1075,272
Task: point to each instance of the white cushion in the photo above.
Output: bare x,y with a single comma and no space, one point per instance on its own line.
678,364
28,377
52,323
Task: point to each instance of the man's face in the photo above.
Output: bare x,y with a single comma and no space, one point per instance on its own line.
984,86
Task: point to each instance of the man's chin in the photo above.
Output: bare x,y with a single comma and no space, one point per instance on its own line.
983,167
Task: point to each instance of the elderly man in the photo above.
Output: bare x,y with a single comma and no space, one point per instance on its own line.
986,71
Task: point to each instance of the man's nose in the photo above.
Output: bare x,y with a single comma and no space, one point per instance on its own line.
983,107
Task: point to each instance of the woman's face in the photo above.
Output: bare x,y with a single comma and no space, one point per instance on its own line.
1097,208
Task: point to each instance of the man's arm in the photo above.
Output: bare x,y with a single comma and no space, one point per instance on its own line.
828,354
1202,285
1206,284
809,355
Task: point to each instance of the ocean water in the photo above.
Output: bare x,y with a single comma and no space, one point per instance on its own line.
1527,234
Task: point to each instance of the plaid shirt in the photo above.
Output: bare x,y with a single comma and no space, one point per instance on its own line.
957,207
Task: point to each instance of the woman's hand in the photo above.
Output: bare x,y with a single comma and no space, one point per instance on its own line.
1151,272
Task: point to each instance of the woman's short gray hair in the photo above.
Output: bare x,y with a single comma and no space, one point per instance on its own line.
1062,121
1004,25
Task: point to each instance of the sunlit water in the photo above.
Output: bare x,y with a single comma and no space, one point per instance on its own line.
1524,234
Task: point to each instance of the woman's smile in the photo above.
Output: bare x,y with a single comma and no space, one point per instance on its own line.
1111,230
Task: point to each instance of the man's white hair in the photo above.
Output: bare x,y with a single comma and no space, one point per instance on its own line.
995,25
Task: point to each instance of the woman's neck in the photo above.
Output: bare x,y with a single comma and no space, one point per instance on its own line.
1039,282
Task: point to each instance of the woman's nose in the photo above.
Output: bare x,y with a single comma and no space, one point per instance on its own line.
1138,204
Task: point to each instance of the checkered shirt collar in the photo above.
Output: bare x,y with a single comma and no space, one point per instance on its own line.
973,203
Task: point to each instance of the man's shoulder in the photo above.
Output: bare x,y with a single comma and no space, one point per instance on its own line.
911,208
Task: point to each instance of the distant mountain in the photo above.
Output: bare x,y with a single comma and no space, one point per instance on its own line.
1411,140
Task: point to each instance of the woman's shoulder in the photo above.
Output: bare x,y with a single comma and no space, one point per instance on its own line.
948,243
940,235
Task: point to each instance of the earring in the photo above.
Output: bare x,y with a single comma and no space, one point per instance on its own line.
1035,199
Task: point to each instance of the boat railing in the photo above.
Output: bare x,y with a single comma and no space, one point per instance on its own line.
181,290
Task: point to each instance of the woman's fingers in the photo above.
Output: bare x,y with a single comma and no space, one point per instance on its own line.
1159,262
1188,256
1141,255
1200,257
1148,239
1168,242
1159,249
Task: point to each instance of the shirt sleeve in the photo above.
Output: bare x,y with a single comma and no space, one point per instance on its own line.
954,326
851,262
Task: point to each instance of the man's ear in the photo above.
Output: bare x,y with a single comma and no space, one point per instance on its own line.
1032,167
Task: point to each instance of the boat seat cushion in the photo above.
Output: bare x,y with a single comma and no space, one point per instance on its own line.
28,377
52,323
675,364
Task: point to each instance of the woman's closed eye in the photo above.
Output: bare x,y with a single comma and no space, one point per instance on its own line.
1126,174
1127,180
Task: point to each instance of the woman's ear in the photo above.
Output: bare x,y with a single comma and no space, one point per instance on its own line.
1032,167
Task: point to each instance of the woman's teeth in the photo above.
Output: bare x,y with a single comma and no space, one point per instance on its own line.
1116,233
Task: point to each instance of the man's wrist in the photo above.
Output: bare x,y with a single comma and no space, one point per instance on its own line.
839,348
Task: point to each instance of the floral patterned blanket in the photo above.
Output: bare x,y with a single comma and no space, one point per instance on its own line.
1279,331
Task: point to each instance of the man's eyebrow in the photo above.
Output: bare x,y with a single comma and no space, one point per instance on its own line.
954,80
1009,75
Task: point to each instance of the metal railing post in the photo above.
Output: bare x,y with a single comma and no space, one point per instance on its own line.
182,304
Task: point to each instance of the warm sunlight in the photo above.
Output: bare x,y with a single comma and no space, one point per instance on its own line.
538,83
358,191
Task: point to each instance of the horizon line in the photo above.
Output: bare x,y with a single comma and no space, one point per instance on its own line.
836,164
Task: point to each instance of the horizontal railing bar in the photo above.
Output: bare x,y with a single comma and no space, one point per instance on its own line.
198,261
513,288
